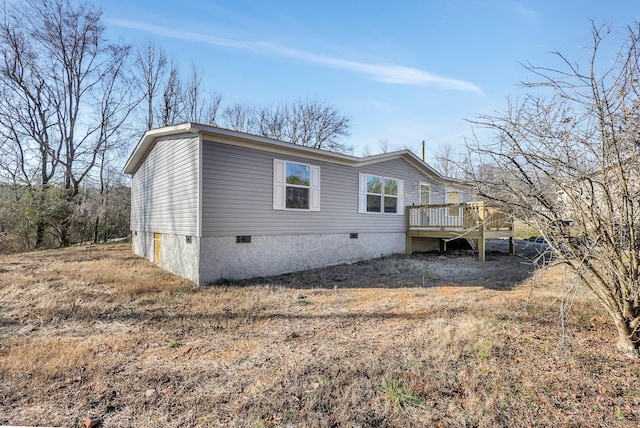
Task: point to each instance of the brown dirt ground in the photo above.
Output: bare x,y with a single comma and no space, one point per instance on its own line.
455,267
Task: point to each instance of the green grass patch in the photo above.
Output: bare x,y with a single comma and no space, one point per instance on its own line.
399,395
174,344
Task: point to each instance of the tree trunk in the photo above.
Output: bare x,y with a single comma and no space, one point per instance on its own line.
65,226
40,234
41,224
96,229
628,338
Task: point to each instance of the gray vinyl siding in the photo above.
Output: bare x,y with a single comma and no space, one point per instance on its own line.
164,189
237,195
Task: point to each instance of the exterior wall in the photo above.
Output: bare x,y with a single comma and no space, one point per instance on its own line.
142,244
465,194
237,195
177,256
213,192
223,258
181,257
164,200
164,189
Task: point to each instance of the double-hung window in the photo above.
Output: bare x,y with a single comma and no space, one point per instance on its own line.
296,186
380,194
453,197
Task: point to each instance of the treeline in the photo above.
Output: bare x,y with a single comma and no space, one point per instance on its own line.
73,104
92,217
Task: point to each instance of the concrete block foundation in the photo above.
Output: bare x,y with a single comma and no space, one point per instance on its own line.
210,259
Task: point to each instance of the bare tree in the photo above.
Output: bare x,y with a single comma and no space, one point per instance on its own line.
54,69
272,122
182,100
305,122
210,110
365,151
239,117
308,123
384,145
448,162
173,105
569,164
199,108
316,124
151,65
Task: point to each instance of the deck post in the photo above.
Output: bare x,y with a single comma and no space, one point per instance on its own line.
482,215
472,220
407,213
481,247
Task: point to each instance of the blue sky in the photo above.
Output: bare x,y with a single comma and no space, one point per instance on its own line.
402,71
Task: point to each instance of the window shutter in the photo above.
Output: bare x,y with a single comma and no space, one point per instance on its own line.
400,209
362,194
314,189
279,184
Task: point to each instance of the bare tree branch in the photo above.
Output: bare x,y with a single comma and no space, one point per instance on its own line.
55,67
569,165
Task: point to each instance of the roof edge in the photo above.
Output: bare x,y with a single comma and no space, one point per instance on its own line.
150,136
147,140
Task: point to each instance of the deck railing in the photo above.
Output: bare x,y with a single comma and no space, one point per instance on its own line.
468,215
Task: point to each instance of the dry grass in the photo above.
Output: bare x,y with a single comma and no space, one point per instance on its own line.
524,231
97,331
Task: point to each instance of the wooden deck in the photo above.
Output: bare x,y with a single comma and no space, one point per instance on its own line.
470,220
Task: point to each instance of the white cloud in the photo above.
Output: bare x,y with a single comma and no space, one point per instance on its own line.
387,73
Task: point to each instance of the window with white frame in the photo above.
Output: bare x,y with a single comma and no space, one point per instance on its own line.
453,196
296,186
425,194
380,194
